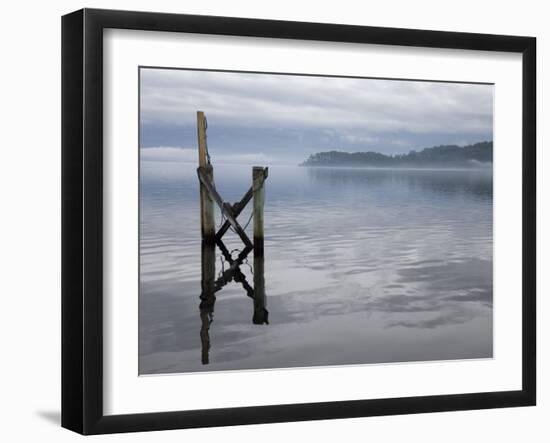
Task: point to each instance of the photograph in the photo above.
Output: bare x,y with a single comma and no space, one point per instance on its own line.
295,220
279,220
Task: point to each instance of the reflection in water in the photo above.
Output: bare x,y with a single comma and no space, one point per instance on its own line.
260,312
363,266
451,182
211,285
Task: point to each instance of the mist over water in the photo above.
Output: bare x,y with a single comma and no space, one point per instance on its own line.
361,266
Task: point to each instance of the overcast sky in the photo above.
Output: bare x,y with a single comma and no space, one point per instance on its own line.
269,119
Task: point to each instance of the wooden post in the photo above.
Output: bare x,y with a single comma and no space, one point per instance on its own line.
260,316
208,297
207,204
201,134
259,175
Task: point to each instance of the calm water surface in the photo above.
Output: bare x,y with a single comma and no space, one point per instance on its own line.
361,266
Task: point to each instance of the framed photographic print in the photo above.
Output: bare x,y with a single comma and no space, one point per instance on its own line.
269,221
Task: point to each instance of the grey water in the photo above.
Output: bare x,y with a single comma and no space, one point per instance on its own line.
361,266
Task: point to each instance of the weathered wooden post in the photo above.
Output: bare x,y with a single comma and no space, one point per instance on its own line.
259,174
207,204
208,297
260,316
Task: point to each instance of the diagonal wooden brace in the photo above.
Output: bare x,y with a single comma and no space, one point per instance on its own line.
226,208
237,208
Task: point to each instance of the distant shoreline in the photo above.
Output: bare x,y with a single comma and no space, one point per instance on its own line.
486,168
475,156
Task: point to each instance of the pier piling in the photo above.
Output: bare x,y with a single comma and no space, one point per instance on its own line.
259,174
208,227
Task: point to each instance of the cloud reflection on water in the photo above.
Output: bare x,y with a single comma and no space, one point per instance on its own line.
356,260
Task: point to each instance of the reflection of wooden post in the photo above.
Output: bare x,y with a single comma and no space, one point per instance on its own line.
260,312
208,274
258,178
205,337
207,204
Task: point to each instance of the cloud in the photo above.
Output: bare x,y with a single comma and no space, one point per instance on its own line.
169,154
189,155
454,318
317,111
286,100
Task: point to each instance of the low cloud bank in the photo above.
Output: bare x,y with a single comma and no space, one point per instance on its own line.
173,154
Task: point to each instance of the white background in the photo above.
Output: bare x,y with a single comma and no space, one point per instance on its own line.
30,222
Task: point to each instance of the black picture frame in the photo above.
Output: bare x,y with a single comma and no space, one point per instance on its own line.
82,216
